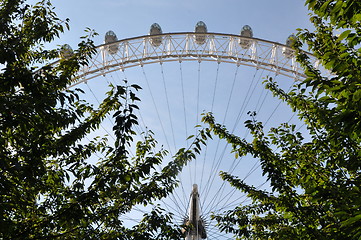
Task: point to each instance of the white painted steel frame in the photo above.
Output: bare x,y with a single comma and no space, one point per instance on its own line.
218,47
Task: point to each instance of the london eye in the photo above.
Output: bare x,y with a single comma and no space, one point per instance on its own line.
185,75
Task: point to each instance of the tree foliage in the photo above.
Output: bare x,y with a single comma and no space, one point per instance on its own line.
48,187
316,180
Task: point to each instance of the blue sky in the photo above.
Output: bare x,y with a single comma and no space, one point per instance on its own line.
273,20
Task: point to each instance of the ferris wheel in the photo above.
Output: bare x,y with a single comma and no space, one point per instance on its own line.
187,74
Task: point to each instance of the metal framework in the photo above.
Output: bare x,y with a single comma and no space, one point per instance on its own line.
218,47
191,46
197,229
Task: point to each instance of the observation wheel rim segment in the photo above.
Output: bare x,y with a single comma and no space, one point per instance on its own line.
182,46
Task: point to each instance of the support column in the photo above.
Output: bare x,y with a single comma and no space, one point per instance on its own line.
195,225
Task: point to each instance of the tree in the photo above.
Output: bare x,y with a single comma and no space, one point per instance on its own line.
315,183
48,189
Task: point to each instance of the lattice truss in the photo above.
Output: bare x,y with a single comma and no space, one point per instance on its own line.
228,48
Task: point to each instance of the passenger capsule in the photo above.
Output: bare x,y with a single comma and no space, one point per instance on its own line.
200,27
287,51
111,37
155,29
247,33
66,51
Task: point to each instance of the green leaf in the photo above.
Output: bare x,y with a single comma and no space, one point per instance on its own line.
344,55
356,18
344,35
324,6
351,221
311,3
357,96
337,7
191,136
